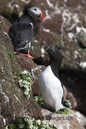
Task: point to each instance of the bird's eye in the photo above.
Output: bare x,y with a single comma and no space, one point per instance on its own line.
35,9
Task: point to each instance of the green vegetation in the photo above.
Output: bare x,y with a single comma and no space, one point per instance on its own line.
11,55
65,110
30,123
25,81
39,100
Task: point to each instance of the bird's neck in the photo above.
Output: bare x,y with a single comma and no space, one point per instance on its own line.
55,66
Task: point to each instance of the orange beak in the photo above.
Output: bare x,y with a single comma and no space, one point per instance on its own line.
41,17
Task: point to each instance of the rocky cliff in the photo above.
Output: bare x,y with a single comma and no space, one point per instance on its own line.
64,27
13,104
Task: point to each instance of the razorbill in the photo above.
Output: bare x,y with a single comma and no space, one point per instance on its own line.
49,82
22,30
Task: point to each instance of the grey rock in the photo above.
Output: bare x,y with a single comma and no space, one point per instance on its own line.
13,104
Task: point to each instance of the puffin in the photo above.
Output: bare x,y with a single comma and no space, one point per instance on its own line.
22,30
49,82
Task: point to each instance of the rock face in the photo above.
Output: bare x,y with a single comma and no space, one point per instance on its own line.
75,83
74,120
13,104
64,27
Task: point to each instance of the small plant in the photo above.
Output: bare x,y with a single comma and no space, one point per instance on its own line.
25,81
65,110
30,123
11,55
68,103
39,100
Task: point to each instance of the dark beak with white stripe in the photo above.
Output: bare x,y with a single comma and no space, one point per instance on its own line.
54,54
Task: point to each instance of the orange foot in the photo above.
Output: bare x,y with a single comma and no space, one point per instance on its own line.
28,55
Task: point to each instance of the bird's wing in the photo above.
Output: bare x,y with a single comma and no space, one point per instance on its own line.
21,31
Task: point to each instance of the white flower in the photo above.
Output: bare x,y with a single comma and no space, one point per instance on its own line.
29,88
29,121
30,126
6,127
26,119
32,119
55,126
35,127
28,96
21,126
25,82
38,122
44,122
25,72
26,86
26,92
20,83
28,78
83,65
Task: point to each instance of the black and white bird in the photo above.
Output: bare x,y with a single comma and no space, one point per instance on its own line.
22,30
49,82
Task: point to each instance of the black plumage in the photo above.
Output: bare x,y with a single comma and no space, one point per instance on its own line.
22,30
50,85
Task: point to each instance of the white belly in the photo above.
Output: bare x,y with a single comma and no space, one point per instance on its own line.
50,88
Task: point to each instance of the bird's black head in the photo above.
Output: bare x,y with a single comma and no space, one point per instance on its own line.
34,11
55,60
55,54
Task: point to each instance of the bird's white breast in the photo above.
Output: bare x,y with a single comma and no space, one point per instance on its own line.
50,87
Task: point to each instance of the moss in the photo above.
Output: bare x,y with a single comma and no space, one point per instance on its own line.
11,55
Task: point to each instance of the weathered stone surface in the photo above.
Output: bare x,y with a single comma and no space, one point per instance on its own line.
75,83
74,120
12,9
13,104
64,27
33,68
